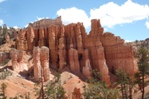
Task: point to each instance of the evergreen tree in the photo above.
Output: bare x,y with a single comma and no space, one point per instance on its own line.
97,89
3,90
143,66
53,90
126,82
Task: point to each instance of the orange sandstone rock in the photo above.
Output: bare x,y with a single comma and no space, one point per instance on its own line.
67,44
37,64
44,58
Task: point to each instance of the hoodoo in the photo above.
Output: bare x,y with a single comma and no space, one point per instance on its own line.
72,48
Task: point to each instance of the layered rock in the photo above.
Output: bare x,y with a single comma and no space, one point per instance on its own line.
87,70
62,50
18,62
73,60
46,22
103,51
30,38
41,41
37,64
118,55
41,63
21,42
44,59
53,46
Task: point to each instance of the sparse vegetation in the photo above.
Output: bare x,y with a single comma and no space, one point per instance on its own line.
4,62
3,91
126,83
53,90
4,73
97,89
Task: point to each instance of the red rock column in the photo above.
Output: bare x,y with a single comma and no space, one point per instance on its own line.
62,50
22,62
79,38
52,47
99,62
73,60
37,64
30,39
44,58
14,59
87,70
41,41
21,40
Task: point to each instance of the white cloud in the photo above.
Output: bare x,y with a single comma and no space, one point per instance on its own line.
2,1
112,14
26,26
1,22
126,41
73,15
38,18
147,24
16,27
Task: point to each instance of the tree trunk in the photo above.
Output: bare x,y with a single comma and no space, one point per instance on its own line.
125,90
122,90
143,86
130,92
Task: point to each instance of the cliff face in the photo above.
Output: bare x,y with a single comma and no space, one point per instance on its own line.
71,47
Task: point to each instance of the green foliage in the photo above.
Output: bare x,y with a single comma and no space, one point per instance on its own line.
4,62
25,96
4,73
96,75
99,90
143,61
143,66
3,90
122,76
52,90
126,82
5,30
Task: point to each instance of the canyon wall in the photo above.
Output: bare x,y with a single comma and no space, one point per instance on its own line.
71,47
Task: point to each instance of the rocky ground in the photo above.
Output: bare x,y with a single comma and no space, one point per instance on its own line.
18,85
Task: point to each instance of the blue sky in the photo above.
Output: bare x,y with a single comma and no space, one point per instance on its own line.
128,19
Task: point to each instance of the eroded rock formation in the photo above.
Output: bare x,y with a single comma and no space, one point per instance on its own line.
7,38
76,94
18,61
70,46
73,60
37,64
41,63
87,70
44,58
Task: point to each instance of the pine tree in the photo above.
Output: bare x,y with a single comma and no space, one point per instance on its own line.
143,66
122,80
3,90
126,82
53,90
97,89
